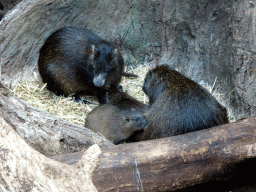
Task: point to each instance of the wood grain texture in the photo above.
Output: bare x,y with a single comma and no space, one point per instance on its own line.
175,162
45,132
25,169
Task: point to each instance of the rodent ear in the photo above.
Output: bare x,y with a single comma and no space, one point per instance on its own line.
114,53
94,50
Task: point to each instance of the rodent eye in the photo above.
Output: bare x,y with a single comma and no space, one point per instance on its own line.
127,119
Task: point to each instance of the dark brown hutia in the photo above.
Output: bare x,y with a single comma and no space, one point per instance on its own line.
76,61
178,105
114,124
124,101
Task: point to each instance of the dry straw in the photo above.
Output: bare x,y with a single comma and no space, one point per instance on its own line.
34,92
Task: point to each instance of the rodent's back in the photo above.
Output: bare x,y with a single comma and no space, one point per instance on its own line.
70,43
178,104
124,101
63,61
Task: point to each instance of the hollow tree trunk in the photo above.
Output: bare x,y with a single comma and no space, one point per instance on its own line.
175,162
24,169
207,40
48,134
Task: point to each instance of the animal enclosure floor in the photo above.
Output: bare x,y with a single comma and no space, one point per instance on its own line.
33,91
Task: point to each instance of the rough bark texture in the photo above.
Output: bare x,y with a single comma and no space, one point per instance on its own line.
24,169
177,162
210,41
46,133
243,63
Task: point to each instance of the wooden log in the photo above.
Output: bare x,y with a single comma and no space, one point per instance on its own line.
25,169
45,132
176,162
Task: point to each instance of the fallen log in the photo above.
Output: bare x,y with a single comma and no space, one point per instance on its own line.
176,162
25,169
45,132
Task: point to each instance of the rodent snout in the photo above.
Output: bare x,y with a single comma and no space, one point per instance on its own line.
99,80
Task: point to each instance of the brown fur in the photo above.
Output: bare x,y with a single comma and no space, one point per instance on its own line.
115,124
124,101
178,105
76,61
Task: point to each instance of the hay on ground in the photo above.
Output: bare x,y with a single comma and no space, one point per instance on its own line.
34,92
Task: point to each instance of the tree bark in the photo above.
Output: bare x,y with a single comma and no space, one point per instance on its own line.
176,162
24,169
43,131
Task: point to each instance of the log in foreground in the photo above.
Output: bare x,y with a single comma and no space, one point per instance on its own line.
176,162
45,132
25,169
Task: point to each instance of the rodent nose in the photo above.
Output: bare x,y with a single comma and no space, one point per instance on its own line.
99,80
